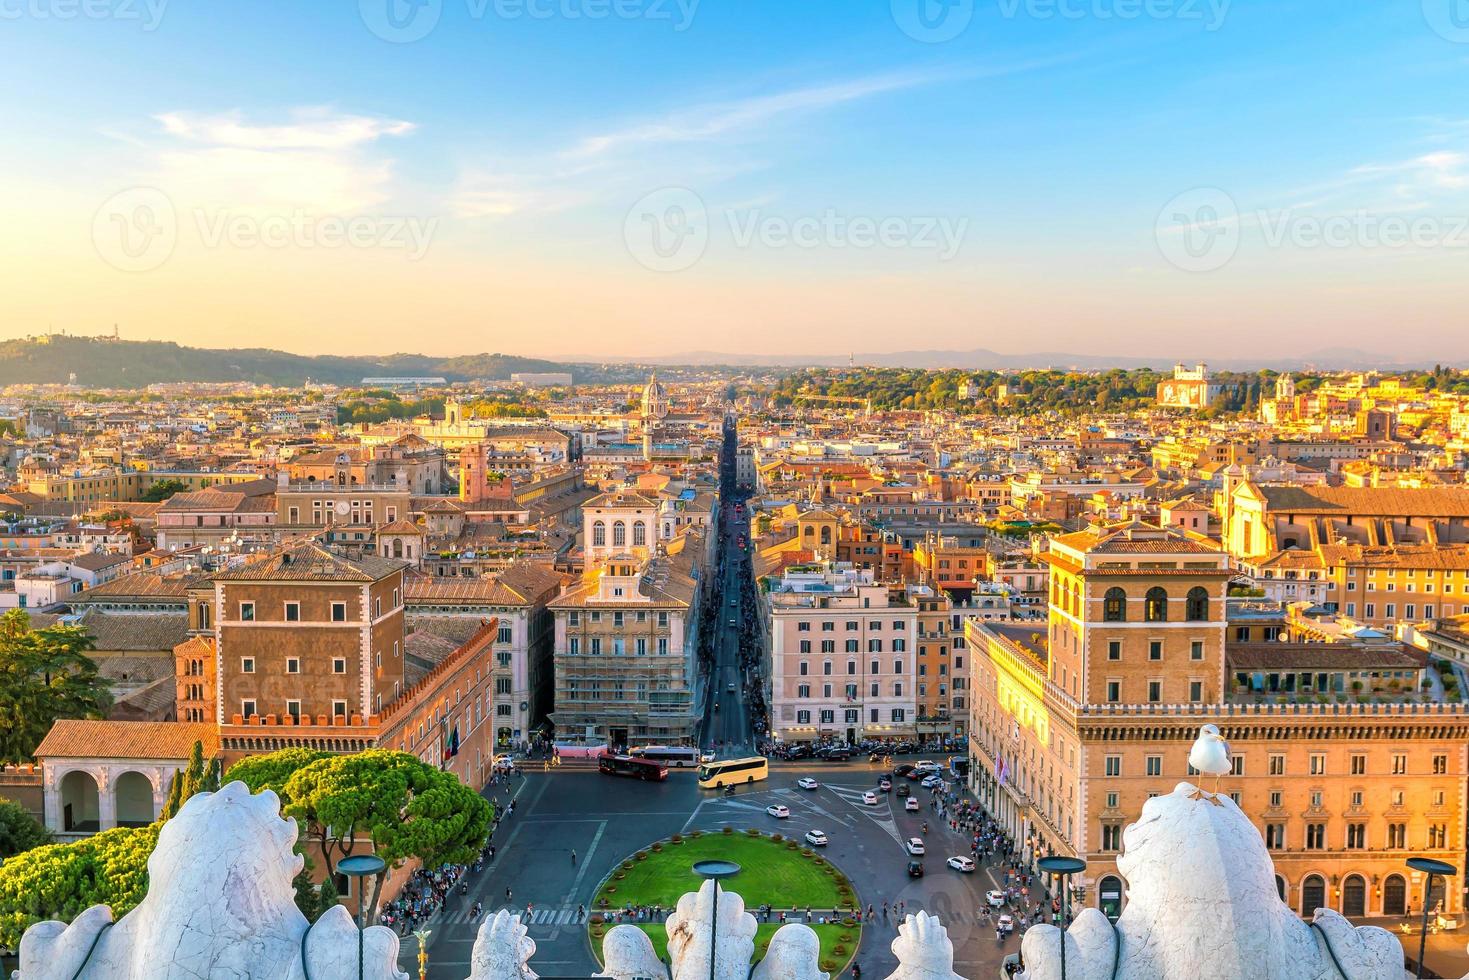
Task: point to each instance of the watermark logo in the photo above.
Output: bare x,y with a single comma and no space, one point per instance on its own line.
405,21
401,21
1448,18
147,14
1198,231
1210,13
831,229
932,21
667,230
135,230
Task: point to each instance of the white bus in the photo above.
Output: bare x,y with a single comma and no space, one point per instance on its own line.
673,756
733,772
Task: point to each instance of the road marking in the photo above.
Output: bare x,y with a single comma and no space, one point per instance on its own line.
581,872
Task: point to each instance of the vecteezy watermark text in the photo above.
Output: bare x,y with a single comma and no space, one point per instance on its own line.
1201,230
937,21
148,14
669,230
404,21
137,230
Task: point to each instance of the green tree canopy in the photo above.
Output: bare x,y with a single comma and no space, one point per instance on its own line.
162,490
45,674
19,831
403,806
57,881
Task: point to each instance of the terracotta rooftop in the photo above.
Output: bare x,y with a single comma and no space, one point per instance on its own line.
73,738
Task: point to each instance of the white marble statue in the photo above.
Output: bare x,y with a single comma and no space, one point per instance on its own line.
502,949
1202,905
923,950
219,904
688,935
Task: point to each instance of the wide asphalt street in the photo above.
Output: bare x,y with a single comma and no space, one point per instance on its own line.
606,818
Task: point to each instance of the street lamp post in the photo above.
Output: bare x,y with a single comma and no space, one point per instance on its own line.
713,871
361,867
1434,869
1063,868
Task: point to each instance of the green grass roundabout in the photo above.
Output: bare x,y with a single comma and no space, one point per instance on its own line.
773,870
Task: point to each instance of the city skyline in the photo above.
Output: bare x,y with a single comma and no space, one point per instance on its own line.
773,179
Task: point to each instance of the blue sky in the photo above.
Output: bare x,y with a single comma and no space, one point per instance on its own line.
1049,139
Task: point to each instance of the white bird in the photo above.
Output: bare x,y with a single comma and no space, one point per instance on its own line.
1210,756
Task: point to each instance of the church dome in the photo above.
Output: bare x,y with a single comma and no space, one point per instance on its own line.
655,400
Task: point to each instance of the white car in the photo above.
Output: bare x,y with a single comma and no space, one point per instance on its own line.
815,838
914,845
778,810
929,782
911,804
927,765
1007,923
869,798
706,757
995,897
806,782
960,863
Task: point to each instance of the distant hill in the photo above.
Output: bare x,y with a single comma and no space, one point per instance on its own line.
107,363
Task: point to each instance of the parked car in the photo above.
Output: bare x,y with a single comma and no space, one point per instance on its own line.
961,863
914,845
928,765
806,782
911,804
902,769
994,897
816,838
836,754
929,782
778,810
869,798
915,869
706,757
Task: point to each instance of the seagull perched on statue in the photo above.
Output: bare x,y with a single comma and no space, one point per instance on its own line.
1210,756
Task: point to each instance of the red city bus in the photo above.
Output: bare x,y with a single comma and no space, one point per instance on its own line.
626,765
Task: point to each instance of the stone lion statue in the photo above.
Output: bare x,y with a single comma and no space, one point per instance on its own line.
1202,904
219,904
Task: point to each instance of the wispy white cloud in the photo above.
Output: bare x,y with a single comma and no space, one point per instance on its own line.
688,145
315,160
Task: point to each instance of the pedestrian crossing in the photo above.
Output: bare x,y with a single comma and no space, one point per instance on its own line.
563,916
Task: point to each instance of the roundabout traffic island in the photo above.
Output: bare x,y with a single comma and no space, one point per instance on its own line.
772,870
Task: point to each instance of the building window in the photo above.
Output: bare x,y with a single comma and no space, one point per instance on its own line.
1318,764
1155,605
1356,836
293,708
1275,836
1359,765
1196,605
247,708
293,612
1114,606
247,665
339,665
1114,649
1195,691
1277,765
1111,837
1155,691
1155,765
1155,649
1114,765
1196,650
247,612
339,709
293,665
339,612
1440,765
1114,691
1315,836
1399,764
